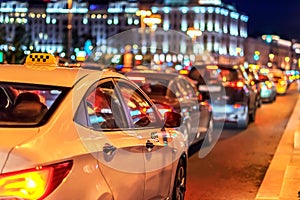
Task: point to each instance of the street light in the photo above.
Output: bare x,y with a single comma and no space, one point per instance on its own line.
142,14
69,27
194,33
152,21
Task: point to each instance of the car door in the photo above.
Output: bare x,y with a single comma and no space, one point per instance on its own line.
158,154
119,152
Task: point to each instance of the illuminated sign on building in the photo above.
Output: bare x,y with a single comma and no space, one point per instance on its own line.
213,2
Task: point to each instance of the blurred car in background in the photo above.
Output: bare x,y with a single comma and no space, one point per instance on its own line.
280,80
95,128
174,92
252,79
208,80
241,98
268,91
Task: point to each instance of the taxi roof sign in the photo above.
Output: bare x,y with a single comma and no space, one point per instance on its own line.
41,61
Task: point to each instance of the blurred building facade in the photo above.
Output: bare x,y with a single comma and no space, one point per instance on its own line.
222,29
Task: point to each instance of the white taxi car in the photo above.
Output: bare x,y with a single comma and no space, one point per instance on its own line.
80,134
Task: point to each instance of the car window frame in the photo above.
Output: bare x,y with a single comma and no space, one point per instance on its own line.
83,104
146,97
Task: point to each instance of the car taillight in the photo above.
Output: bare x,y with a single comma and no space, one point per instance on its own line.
184,72
237,105
35,183
237,84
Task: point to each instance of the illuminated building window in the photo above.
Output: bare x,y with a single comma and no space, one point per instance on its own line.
205,42
209,26
136,22
129,21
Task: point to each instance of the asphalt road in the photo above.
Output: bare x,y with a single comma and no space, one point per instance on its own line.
235,167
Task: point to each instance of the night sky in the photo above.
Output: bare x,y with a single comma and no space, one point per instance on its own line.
271,17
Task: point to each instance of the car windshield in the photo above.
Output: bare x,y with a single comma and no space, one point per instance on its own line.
28,104
229,75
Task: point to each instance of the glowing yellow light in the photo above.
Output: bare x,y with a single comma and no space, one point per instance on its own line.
211,67
28,185
41,61
287,59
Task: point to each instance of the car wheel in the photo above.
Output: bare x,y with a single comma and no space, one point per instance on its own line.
209,133
253,114
243,122
259,102
179,182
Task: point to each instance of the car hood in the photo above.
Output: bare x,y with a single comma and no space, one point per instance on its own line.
10,138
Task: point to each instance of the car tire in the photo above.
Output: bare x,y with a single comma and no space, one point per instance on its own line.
243,123
253,114
259,102
209,132
179,187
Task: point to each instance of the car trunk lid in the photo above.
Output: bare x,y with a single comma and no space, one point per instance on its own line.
11,138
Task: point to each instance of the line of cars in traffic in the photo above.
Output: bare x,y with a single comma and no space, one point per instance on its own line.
81,134
96,134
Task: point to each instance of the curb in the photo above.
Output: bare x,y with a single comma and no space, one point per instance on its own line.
282,179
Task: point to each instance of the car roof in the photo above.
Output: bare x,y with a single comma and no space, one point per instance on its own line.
154,74
60,76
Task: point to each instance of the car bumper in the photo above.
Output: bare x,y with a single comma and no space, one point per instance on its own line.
267,95
229,113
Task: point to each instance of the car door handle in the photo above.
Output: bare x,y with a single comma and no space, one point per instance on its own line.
109,151
149,145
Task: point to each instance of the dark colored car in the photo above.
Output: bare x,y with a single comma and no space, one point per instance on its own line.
252,79
241,99
174,92
207,79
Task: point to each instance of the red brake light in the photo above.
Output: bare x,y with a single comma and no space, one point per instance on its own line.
238,84
35,183
237,105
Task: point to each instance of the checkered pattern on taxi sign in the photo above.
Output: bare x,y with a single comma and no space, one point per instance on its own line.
41,61
39,58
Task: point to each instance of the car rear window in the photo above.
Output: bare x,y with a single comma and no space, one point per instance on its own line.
28,104
153,87
229,75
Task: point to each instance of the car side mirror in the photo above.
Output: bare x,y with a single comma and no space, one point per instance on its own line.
172,119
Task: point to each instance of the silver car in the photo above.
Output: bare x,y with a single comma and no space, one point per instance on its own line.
82,134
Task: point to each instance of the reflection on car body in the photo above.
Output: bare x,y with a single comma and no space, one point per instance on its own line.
171,91
98,127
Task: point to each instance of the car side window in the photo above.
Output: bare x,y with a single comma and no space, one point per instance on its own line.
104,109
140,111
186,88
